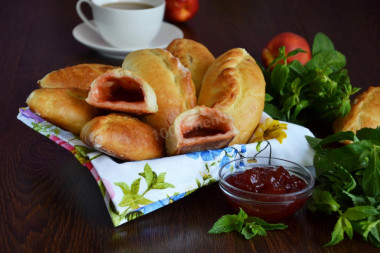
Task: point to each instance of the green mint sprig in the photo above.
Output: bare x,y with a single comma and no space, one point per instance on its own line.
319,90
248,226
348,183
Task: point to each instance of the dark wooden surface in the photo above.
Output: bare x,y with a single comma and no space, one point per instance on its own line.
50,203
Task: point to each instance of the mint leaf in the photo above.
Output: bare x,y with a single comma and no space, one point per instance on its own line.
371,177
349,157
300,106
268,97
250,230
295,51
339,179
242,215
371,227
266,225
360,212
375,239
297,67
348,228
342,226
369,134
323,201
374,232
337,137
288,104
337,235
321,43
226,224
259,230
279,76
273,111
327,62
248,233
357,200
313,142
345,107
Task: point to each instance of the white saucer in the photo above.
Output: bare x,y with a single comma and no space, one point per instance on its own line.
91,39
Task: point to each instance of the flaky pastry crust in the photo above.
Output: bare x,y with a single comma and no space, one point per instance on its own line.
78,76
194,56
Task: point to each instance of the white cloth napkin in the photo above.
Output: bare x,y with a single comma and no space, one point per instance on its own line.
132,189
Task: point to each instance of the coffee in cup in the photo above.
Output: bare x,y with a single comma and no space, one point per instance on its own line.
125,24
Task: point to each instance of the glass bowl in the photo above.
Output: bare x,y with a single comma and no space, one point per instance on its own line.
268,206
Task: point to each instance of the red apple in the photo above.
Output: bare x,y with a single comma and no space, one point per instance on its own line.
181,10
291,41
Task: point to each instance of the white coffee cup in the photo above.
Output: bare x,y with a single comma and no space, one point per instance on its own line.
125,28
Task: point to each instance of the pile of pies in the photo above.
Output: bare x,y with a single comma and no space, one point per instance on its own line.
160,102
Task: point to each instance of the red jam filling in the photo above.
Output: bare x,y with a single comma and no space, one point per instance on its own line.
121,89
118,93
201,132
272,180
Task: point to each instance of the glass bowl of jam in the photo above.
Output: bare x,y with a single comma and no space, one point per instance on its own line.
266,187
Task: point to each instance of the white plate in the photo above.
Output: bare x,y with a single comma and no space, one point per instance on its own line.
91,39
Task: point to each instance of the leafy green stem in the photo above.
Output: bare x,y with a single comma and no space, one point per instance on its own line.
248,226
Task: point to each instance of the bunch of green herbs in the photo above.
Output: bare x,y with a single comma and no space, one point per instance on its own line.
348,183
320,89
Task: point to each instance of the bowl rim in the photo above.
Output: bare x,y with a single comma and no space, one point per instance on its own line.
305,191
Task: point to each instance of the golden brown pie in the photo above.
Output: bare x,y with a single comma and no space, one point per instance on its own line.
64,107
235,84
122,136
170,80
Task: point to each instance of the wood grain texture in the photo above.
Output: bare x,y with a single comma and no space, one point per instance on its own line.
50,203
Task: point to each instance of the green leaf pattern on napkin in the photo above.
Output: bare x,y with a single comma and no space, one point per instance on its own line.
46,128
131,197
206,176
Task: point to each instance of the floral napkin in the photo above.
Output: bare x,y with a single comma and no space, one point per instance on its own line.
132,189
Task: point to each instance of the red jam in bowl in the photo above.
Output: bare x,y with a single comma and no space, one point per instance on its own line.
273,180
271,192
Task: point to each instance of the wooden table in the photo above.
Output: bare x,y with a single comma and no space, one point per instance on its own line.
50,203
